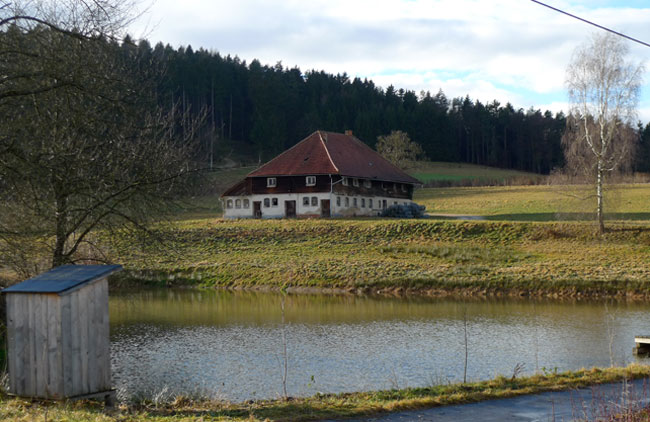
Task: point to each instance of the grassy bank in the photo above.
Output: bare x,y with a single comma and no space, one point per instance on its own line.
467,257
320,406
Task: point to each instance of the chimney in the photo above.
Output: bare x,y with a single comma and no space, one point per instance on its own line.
348,133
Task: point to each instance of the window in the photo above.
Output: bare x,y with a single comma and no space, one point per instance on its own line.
355,182
347,201
394,202
355,202
271,182
363,202
229,203
404,188
344,181
370,203
338,201
305,201
367,183
238,203
267,202
274,201
310,180
247,203
395,187
383,203
406,203
314,201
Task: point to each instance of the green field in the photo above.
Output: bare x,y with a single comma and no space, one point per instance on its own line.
456,173
537,203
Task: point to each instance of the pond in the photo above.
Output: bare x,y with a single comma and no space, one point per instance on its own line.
229,345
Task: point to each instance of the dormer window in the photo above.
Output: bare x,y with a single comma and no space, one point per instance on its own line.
271,182
344,181
367,183
310,181
404,189
355,182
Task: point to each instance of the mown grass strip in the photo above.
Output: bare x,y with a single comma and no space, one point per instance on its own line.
322,406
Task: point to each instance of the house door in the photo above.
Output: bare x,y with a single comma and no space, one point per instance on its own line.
289,209
325,208
257,209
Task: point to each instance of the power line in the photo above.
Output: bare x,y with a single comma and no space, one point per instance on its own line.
592,23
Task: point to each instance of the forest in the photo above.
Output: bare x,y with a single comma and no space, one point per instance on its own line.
262,110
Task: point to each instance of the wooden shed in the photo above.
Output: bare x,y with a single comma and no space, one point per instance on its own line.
58,333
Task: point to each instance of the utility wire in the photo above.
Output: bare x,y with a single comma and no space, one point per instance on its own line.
591,23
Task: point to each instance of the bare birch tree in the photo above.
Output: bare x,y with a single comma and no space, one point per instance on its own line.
603,87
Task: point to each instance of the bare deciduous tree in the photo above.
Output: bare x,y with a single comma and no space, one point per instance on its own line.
83,145
603,88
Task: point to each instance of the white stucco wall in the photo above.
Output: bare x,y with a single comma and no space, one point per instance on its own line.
278,211
351,210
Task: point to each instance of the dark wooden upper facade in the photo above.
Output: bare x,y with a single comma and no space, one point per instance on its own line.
324,183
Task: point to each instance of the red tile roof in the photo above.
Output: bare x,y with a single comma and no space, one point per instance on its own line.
333,153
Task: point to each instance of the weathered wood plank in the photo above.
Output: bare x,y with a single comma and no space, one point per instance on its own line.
54,344
30,363
12,346
75,335
98,358
104,338
82,316
66,345
40,344
91,374
22,340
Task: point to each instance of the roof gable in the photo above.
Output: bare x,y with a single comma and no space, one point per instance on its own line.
333,153
309,156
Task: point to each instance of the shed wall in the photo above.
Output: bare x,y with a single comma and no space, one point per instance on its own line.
58,346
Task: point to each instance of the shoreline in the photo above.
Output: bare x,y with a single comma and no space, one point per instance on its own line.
128,280
320,406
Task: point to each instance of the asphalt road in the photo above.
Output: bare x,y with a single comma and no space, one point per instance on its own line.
587,404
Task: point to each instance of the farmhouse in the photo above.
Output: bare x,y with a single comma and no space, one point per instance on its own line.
326,174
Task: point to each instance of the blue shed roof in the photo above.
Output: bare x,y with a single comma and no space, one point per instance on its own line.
63,278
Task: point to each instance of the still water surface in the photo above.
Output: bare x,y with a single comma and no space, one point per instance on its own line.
228,345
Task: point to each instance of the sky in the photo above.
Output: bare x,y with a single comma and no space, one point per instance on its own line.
506,50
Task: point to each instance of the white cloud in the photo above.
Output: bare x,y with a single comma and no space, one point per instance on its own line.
503,48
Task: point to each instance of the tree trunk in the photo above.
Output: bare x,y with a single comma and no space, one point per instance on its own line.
58,256
599,196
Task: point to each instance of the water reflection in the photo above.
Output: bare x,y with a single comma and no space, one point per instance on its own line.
228,344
